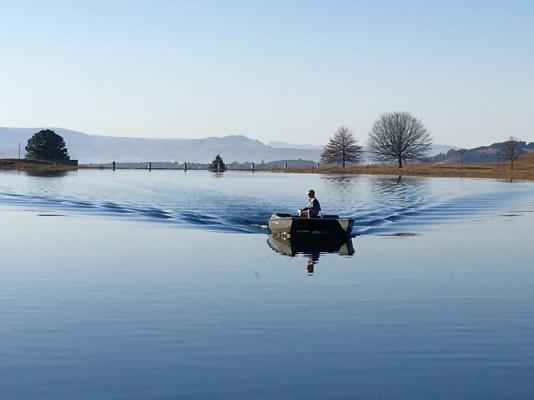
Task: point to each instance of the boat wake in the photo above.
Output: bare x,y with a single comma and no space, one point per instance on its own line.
403,220
389,207
227,220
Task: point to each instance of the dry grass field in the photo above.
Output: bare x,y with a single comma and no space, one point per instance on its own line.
523,170
34,165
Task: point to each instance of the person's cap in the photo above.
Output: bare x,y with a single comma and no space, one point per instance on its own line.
311,191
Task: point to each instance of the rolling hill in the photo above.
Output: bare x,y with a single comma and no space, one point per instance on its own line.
100,149
87,148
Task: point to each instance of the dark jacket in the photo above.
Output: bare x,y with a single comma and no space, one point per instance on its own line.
314,206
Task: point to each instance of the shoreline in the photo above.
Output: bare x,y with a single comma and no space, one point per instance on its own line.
15,164
487,171
523,169
426,171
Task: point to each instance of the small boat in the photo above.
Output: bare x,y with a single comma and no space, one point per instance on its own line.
331,225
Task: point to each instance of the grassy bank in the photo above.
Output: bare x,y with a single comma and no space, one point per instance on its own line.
523,169
35,165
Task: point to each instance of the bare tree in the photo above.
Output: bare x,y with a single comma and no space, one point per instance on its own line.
342,148
461,152
399,136
511,150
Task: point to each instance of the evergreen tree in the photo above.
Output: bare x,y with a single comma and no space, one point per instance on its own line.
46,145
218,165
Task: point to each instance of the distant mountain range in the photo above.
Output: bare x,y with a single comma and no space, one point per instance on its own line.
88,148
285,145
101,149
483,154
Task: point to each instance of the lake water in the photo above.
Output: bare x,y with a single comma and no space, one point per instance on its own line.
162,285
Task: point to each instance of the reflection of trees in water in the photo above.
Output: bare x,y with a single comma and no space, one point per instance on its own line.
397,191
386,192
342,185
47,174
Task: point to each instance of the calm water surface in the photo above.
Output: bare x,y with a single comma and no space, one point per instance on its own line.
242,202
161,285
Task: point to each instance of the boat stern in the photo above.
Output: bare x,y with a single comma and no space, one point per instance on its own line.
280,225
346,225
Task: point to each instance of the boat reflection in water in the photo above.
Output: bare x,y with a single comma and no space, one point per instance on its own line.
311,246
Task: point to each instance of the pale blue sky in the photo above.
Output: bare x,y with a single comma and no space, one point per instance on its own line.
287,70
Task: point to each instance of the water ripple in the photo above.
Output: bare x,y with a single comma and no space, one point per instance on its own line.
380,205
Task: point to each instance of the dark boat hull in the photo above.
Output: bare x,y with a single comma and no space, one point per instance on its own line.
331,225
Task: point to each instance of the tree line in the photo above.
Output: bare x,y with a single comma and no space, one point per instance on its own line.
396,137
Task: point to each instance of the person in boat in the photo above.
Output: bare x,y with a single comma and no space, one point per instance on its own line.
313,208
